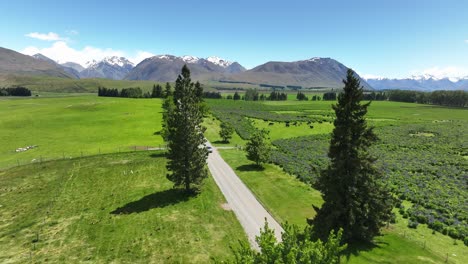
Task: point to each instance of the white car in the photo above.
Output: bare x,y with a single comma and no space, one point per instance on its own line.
210,149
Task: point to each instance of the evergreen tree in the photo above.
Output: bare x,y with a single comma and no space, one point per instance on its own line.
168,90
258,148
226,131
187,152
157,91
356,197
236,96
296,247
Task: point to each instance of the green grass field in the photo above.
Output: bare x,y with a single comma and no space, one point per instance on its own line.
117,208
76,126
39,84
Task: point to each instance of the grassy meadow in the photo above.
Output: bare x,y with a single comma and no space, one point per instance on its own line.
40,84
120,208
76,126
117,208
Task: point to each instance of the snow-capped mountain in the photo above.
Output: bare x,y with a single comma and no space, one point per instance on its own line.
220,62
110,67
422,82
167,67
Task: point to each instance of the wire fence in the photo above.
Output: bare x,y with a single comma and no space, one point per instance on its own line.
21,159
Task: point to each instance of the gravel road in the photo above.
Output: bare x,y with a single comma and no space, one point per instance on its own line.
248,210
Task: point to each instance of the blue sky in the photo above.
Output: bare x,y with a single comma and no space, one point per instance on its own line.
384,38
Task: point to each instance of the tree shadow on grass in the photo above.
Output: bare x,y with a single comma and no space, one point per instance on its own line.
155,200
355,249
250,167
160,154
220,142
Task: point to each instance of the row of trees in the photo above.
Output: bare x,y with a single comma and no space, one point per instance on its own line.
445,98
126,92
15,91
157,92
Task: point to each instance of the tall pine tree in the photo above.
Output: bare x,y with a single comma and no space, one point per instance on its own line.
187,153
355,194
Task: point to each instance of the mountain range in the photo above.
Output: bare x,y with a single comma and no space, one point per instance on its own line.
311,73
420,83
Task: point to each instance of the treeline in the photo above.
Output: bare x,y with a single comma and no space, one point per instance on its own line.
445,98
136,92
253,95
15,91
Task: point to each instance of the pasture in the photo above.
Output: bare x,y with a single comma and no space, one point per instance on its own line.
116,208
68,127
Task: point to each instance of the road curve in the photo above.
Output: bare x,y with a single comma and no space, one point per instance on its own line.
248,210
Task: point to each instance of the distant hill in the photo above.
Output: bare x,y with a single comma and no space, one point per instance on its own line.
115,68
69,70
73,65
420,83
315,72
166,68
15,63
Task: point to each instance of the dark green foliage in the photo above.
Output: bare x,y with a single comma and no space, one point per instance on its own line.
375,96
157,91
296,247
236,96
15,91
277,96
131,93
302,97
187,152
125,92
330,96
446,98
212,95
167,90
354,192
226,131
251,95
258,148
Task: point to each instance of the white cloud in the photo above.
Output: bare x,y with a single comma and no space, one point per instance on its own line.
140,56
466,41
51,36
370,76
60,51
452,72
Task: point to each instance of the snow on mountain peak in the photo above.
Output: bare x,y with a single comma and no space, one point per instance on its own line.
112,60
118,61
218,61
190,59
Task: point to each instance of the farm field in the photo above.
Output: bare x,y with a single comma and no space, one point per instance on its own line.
76,126
116,208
